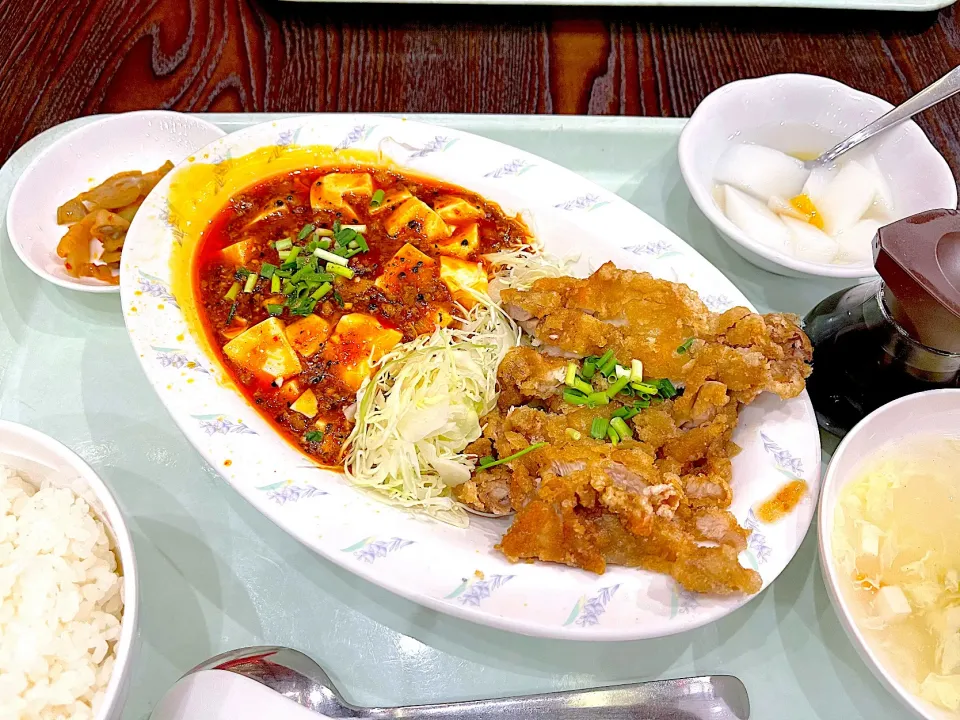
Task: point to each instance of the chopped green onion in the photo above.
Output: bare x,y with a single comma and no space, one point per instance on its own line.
353,244
608,368
597,398
285,244
241,274
323,233
683,349
313,436
233,292
598,428
330,257
666,388
584,387
274,309
645,388
605,358
636,371
377,199
287,287
284,254
337,298
340,270
233,311
362,243
508,458
293,254
350,253
619,384
307,229
623,430
573,434
574,398
589,368
345,235
303,307
311,246
355,228
322,291
251,283
323,245
267,270
627,412
614,437
571,376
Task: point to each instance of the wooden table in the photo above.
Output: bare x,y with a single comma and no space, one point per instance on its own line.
60,60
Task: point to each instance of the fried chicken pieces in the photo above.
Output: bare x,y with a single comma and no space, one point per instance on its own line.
657,500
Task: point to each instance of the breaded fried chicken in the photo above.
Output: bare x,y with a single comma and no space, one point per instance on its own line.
658,499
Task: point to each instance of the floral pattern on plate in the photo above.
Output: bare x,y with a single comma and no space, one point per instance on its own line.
423,560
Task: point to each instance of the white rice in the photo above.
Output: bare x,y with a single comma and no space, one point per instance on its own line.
60,603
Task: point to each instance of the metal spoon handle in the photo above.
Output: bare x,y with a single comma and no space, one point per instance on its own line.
945,87
718,697
299,678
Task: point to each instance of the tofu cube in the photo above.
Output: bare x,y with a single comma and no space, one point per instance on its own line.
264,350
463,243
416,216
306,404
399,269
327,192
461,277
240,253
358,342
307,334
456,210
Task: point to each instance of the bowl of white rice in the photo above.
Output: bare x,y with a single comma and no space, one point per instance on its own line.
68,585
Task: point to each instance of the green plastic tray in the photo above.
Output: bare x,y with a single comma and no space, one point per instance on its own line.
216,575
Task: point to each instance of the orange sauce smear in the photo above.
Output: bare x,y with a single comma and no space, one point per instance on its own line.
782,503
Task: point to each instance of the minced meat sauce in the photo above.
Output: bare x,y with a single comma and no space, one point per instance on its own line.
317,210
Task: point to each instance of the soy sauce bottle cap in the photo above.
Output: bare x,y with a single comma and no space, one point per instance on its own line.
919,261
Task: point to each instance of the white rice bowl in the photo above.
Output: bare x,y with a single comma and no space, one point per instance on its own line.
61,601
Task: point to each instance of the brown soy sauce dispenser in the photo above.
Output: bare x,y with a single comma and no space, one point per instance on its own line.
891,337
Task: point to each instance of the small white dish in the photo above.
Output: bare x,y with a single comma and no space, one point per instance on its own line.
39,457
82,159
935,411
807,114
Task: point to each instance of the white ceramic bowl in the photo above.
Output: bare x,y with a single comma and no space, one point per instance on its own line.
83,159
806,113
39,457
935,411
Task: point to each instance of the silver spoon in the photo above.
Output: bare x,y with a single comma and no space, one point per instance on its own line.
298,678
945,87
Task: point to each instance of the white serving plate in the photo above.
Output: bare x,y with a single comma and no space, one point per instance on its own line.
452,570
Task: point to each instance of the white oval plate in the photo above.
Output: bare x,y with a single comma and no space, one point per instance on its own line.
84,158
453,570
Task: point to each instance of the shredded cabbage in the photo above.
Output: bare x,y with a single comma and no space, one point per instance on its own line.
422,407
520,268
